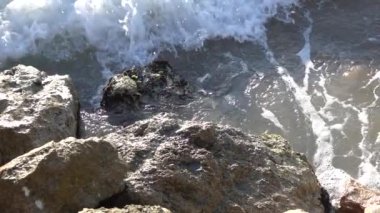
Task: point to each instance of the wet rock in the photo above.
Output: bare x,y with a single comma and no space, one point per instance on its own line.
357,198
201,167
151,86
129,209
64,176
121,89
3,102
34,109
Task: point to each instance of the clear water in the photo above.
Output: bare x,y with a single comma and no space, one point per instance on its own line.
309,72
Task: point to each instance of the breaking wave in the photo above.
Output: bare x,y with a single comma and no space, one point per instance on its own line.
128,31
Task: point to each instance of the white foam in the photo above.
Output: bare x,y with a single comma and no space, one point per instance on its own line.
374,78
39,204
304,53
333,179
368,173
267,114
205,77
26,191
127,31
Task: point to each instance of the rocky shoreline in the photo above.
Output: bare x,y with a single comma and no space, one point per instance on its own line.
149,159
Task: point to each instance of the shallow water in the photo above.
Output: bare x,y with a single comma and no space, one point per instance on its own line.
317,83
310,74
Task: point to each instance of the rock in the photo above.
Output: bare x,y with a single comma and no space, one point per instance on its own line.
129,209
153,85
34,109
64,176
201,167
357,198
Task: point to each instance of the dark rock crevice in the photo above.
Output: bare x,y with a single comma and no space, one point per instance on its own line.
325,200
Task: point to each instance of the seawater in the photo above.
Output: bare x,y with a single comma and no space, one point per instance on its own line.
307,71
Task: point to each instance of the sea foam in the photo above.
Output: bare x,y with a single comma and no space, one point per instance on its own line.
128,31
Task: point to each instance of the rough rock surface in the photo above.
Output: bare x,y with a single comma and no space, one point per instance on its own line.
129,209
64,176
155,84
357,198
34,109
201,167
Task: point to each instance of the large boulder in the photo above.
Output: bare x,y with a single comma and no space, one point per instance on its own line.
201,167
129,209
34,109
357,198
152,86
64,176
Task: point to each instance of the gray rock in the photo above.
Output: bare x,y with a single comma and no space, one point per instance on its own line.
201,167
64,176
129,209
34,109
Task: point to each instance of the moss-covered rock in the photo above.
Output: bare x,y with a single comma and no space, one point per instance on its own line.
153,85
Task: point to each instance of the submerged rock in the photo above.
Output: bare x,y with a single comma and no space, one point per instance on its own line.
201,167
34,109
357,198
66,176
129,209
151,86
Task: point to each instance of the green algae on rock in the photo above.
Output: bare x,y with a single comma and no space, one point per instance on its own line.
155,84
